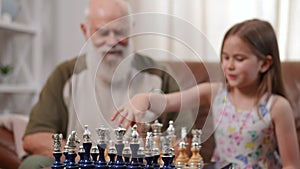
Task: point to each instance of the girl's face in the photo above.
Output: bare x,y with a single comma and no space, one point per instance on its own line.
240,65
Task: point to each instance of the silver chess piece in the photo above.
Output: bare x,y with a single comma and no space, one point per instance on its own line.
146,127
134,146
149,144
86,135
71,145
120,132
72,141
171,133
101,144
149,150
156,129
87,145
102,133
57,138
134,135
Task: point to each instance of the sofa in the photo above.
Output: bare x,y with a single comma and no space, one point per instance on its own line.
187,74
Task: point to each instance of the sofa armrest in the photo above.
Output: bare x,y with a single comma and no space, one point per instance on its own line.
8,156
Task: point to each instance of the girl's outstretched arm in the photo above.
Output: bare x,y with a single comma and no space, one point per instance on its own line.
145,103
282,115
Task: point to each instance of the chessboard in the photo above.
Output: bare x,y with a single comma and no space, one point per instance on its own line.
151,151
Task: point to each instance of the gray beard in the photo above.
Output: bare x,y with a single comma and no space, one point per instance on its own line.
110,71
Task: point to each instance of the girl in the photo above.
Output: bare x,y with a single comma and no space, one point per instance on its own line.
250,111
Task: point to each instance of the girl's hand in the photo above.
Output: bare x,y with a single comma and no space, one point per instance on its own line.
133,111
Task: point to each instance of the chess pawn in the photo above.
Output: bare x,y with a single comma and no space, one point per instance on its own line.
182,158
196,160
57,152
102,135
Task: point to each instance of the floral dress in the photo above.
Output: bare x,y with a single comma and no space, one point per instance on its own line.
244,138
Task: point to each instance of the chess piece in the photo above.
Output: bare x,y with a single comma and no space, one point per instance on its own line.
156,129
87,145
119,132
172,153
65,153
141,156
134,146
102,135
81,155
112,153
126,153
149,151
156,155
94,153
72,143
182,158
171,133
146,127
196,161
57,152
172,138
167,157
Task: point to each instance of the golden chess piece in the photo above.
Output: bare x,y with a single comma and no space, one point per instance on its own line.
182,158
196,161
156,130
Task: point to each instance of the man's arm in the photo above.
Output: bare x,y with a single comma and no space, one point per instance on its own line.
40,143
50,114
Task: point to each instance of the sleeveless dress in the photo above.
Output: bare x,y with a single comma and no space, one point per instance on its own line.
244,138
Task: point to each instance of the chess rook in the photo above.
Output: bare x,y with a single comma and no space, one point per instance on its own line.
119,132
102,135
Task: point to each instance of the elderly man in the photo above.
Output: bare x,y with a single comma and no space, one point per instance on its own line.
88,88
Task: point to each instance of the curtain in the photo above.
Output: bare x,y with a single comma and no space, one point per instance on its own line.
194,29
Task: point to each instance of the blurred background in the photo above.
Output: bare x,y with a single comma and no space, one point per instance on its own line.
36,35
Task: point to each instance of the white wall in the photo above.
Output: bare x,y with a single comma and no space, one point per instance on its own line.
69,39
61,35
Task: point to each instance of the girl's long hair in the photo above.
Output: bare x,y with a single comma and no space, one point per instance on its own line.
261,38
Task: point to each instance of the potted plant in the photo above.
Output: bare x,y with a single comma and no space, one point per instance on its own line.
5,71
